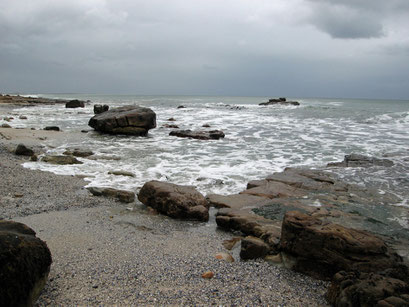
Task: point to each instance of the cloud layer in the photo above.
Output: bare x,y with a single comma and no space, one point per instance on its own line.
294,47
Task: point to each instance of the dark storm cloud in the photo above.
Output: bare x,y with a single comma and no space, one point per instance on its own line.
355,19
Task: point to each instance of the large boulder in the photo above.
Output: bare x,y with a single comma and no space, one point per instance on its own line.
200,135
368,289
129,120
177,201
99,108
24,264
321,249
75,104
22,150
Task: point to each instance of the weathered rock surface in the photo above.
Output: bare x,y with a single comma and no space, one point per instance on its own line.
253,248
368,289
356,160
281,101
24,264
200,135
61,160
22,150
78,152
75,103
128,120
322,249
99,108
122,195
177,201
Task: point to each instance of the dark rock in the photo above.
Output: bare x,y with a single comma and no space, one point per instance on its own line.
171,119
280,101
5,125
22,150
52,128
75,104
22,117
24,264
99,108
34,158
367,289
170,126
129,120
181,107
206,126
253,248
321,249
177,201
122,195
356,160
200,135
61,160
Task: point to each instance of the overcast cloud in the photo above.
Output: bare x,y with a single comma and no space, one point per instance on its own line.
296,48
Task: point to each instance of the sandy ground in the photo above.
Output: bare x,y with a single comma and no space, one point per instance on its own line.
108,253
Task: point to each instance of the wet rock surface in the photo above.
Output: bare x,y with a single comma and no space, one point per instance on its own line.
128,120
200,135
99,108
25,262
181,202
356,160
75,103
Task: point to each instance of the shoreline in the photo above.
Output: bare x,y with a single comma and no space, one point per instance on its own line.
105,252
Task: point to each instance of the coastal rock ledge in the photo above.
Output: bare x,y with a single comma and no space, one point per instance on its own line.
177,201
25,263
129,120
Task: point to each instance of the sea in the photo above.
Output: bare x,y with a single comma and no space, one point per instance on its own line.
259,140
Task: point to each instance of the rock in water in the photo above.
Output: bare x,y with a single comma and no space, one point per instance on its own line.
321,249
61,160
24,264
356,160
129,120
75,104
177,201
22,150
200,135
281,100
99,108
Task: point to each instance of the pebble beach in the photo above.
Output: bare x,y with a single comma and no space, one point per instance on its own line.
108,253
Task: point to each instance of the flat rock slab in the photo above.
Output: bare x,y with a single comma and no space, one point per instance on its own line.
122,195
200,135
61,160
25,262
128,120
356,160
177,201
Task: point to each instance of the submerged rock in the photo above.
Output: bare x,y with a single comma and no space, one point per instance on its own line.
61,160
25,262
128,120
200,135
177,201
356,160
122,195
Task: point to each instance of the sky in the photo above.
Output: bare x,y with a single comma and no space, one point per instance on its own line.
293,48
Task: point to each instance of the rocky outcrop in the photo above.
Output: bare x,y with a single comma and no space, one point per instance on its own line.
177,201
22,150
128,120
321,249
75,103
27,101
24,264
369,289
78,152
280,101
122,195
61,160
200,135
356,160
99,108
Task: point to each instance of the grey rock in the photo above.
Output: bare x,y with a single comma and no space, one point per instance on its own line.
122,195
356,160
99,108
22,150
61,160
200,135
75,103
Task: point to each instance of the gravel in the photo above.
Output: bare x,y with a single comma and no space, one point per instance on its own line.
106,253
